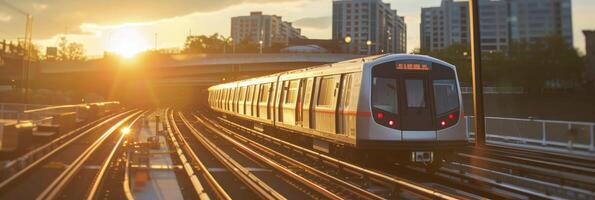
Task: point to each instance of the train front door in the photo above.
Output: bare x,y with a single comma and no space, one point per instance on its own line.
417,116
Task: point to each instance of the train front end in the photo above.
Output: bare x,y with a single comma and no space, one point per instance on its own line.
416,108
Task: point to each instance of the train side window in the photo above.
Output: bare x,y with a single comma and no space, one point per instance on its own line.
256,99
264,93
234,101
346,96
326,92
249,93
242,98
292,92
225,99
270,103
284,92
220,99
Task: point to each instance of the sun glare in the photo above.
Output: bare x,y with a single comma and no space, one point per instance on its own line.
127,42
125,130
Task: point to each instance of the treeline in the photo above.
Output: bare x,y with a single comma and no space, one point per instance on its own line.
217,43
528,64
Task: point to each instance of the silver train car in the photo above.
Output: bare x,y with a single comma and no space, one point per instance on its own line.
398,105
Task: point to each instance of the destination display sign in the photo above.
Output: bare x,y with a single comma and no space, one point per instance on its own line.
413,66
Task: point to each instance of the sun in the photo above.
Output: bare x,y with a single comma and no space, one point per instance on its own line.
127,42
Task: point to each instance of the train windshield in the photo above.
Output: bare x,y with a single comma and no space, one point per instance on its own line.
384,92
414,95
446,93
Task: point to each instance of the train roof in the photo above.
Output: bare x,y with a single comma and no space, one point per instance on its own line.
356,63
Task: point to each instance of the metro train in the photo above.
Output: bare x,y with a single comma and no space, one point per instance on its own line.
403,106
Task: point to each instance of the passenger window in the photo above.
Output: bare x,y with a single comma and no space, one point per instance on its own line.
256,93
326,92
415,93
265,93
347,90
242,94
308,94
250,90
292,92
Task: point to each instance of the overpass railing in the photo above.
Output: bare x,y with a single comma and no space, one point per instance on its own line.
561,136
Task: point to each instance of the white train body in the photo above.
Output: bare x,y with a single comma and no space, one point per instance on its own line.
396,101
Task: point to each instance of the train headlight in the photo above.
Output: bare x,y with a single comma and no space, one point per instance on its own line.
391,122
443,123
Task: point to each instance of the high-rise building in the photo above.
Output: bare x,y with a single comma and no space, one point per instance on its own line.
590,56
501,21
257,27
369,20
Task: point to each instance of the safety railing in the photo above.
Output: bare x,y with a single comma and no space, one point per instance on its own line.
495,90
568,136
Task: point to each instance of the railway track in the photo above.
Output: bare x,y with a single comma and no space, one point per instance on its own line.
77,157
261,177
539,174
379,184
473,181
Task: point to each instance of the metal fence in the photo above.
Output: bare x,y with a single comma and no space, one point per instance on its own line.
495,90
564,135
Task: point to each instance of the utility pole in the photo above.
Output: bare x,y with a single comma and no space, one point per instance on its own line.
27,57
476,72
28,47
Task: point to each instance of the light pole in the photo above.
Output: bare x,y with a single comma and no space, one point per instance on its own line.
233,46
389,39
476,72
369,44
260,44
348,42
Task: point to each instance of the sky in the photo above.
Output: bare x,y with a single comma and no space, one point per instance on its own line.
134,25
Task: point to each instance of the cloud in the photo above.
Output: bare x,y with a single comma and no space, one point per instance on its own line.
314,22
40,6
52,17
5,18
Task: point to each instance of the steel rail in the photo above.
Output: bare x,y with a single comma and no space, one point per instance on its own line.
98,183
183,149
49,154
253,182
126,182
54,189
407,185
570,162
69,106
361,193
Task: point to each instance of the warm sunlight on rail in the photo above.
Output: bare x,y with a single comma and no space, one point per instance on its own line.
125,130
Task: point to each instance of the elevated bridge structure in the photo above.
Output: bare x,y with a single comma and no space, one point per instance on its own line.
154,73
202,69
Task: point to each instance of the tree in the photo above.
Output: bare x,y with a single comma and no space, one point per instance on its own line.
204,44
70,51
456,54
546,59
527,63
